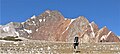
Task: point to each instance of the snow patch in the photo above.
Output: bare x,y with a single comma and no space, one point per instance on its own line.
109,33
17,33
91,26
33,17
40,20
33,22
0,25
27,20
44,20
103,37
48,48
48,11
6,29
92,30
36,29
22,23
65,18
72,20
28,31
93,34
68,25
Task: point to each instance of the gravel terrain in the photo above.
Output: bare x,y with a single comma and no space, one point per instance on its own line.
45,47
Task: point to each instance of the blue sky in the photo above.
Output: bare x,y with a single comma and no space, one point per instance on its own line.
102,12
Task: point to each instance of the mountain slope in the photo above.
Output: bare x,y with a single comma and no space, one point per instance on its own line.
9,29
53,26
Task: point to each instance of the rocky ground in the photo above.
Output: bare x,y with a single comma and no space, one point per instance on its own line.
44,47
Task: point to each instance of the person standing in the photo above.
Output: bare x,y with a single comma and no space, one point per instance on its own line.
76,43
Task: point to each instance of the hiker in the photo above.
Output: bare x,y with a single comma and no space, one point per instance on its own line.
76,43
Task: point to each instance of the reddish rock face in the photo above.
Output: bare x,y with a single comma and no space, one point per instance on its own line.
89,35
75,28
104,35
112,38
102,32
52,26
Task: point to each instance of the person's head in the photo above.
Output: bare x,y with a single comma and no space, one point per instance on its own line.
76,39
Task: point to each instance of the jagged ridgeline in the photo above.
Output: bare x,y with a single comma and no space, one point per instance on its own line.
53,26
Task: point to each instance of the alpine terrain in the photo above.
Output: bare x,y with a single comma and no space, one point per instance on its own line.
53,26
51,32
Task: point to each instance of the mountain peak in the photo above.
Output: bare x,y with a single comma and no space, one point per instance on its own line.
104,28
53,26
48,11
33,17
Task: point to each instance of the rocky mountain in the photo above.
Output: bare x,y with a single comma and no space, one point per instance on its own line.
53,26
9,29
